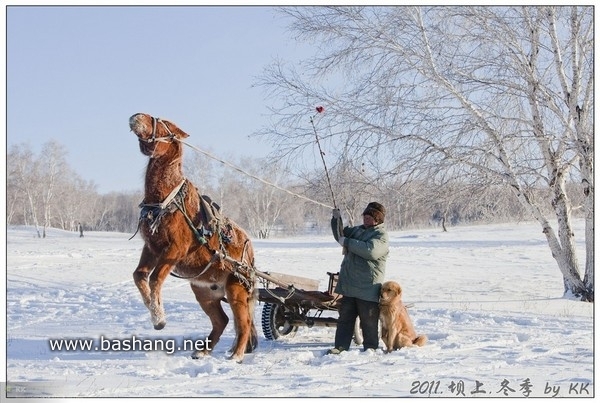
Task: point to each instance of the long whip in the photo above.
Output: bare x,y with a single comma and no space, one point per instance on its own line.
312,122
340,224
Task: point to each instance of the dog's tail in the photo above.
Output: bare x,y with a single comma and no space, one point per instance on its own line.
420,340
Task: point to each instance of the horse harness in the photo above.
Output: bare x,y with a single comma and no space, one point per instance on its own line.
210,223
164,139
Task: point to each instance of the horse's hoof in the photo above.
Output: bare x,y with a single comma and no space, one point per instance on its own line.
160,326
200,354
252,345
239,358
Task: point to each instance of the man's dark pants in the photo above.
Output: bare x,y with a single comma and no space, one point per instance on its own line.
368,312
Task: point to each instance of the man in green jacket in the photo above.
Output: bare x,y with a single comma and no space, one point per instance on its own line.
361,274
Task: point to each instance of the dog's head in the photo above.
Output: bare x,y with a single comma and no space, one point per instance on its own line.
390,292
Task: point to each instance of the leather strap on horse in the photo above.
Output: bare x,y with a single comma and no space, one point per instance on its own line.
247,278
213,259
199,237
154,211
242,271
165,139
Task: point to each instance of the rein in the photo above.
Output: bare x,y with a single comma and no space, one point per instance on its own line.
250,175
171,137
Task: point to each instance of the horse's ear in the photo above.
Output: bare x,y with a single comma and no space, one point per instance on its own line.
181,134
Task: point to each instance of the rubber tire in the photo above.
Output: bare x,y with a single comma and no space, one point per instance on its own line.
274,324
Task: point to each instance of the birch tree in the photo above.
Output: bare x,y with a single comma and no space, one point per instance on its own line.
54,173
496,96
25,182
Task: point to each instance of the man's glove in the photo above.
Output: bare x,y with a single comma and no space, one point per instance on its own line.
341,240
336,213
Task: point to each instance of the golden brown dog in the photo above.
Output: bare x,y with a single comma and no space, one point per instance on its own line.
397,330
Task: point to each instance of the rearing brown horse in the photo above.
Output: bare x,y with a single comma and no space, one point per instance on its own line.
179,238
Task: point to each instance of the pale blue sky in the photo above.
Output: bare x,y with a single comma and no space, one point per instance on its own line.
76,74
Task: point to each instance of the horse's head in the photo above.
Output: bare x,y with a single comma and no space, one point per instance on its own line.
156,136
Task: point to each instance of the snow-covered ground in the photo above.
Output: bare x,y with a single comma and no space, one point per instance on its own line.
488,297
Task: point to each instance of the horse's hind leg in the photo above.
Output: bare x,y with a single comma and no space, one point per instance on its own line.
242,302
218,318
253,339
142,272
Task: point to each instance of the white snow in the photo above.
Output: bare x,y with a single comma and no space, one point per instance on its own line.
488,297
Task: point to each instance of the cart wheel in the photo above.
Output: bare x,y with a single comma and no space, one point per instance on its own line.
274,322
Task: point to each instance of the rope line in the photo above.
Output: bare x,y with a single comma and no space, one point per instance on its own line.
251,175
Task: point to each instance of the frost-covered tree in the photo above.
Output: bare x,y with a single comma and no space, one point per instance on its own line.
54,174
493,96
25,184
259,203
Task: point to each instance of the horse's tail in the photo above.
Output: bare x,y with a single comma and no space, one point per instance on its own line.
248,259
252,300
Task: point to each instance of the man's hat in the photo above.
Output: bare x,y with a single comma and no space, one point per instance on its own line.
375,210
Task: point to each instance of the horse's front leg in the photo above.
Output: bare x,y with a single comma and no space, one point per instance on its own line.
142,272
157,279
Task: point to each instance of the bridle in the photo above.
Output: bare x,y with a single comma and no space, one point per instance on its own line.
164,139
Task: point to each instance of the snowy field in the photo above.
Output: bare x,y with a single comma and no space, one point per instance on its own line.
488,297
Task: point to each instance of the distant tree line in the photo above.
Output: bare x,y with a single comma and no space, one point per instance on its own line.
43,191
